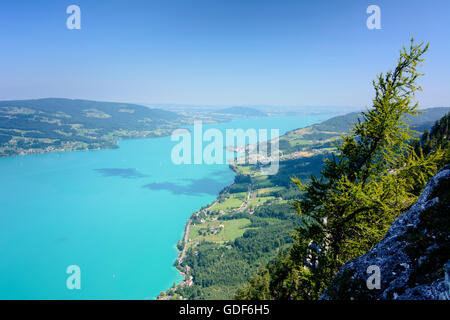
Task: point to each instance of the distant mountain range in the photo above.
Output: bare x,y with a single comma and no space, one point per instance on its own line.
242,111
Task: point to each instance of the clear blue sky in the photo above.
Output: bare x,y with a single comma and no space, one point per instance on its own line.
224,52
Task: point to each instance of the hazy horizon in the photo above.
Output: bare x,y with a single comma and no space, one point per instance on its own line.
217,53
219,106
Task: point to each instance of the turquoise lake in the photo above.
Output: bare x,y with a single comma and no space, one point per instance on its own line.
117,214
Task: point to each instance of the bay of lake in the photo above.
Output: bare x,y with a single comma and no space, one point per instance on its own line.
117,214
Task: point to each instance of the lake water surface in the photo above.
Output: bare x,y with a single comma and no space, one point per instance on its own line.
117,214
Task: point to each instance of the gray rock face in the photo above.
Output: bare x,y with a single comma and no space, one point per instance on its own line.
413,258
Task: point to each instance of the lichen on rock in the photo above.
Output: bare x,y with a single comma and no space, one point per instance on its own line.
413,257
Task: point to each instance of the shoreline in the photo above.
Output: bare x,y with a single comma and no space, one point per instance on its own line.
185,238
186,232
108,145
114,144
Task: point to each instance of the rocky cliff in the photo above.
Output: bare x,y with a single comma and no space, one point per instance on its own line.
412,261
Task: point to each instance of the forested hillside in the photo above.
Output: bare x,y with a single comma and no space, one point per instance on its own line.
375,174
322,135
253,220
42,125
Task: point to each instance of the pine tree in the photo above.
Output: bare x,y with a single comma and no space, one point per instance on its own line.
374,176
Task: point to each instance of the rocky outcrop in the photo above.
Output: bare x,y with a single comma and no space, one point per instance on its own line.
412,259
